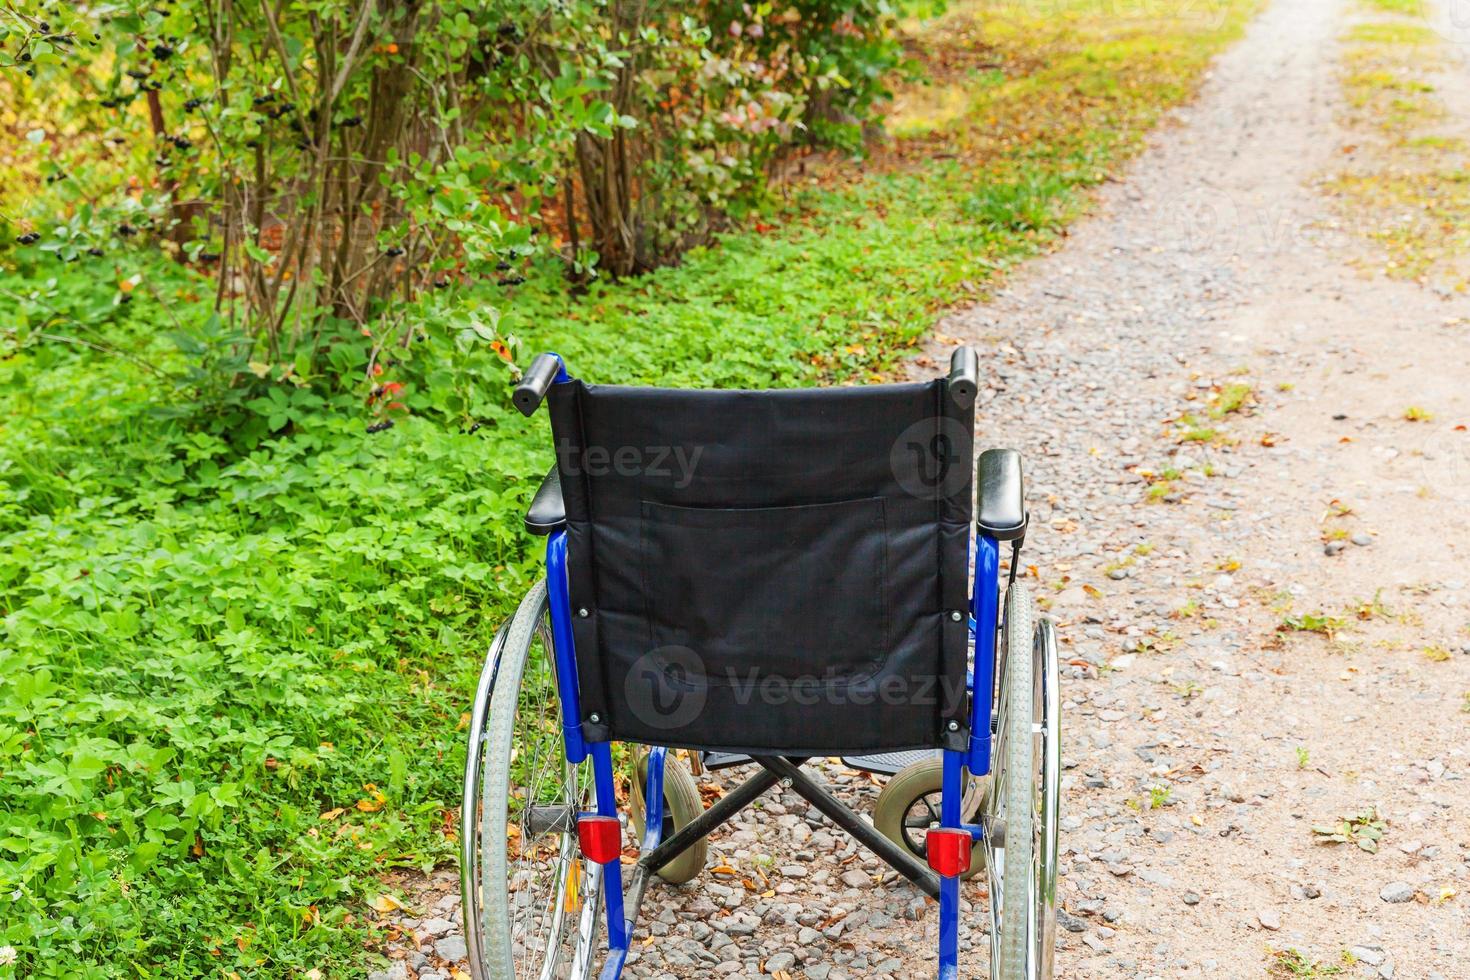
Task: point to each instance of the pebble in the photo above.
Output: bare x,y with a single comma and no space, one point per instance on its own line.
780,962
1070,922
1372,955
452,948
1397,892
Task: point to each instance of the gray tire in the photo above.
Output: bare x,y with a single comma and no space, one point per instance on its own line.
1016,789
682,804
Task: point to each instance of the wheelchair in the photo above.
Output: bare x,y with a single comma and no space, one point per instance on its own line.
761,579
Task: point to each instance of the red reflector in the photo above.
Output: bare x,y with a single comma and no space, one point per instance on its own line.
601,838
949,851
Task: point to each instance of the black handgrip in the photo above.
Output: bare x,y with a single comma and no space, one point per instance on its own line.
536,382
964,376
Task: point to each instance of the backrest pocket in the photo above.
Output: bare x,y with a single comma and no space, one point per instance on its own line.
752,593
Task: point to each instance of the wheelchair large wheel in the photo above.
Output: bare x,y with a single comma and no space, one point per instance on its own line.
908,808
682,804
531,902
1021,808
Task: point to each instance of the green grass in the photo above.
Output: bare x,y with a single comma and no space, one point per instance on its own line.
1284,963
207,649
1234,397
1318,622
1410,8
1391,33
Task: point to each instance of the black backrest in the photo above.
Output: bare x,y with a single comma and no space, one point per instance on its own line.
769,571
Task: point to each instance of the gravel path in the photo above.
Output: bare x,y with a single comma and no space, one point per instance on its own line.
1202,742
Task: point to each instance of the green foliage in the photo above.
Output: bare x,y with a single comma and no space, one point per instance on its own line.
1365,829
1288,963
1028,205
844,52
327,161
1233,397
1318,622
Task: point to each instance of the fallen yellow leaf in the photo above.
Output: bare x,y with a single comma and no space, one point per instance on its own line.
385,903
374,801
573,901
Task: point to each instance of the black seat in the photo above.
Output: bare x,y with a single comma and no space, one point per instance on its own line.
547,511
769,572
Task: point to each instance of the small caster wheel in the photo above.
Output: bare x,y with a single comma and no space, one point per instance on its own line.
682,804
909,806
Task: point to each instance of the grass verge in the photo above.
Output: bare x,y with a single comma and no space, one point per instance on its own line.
1408,188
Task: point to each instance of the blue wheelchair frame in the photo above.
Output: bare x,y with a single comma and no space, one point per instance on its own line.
655,852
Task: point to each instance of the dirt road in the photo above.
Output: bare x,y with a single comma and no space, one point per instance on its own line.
1215,740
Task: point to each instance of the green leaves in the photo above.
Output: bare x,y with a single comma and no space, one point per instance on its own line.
185,688
283,406
1364,829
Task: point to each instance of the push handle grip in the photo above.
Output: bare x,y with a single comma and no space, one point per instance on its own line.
964,376
536,382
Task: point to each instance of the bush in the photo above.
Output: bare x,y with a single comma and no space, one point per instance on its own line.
338,171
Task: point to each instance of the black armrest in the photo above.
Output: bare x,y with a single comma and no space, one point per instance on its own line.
547,511
1002,495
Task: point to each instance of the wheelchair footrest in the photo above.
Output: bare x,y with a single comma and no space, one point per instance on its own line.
887,763
881,763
